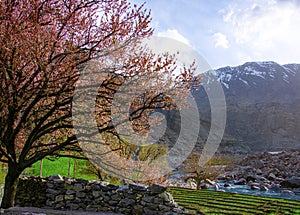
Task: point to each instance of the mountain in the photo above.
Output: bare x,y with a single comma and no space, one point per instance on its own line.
263,106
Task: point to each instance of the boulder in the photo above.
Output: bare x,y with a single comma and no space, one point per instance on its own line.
204,186
287,193
274,187
241,181
263,188
137,187
227,185
210,182
216,186
253,187
272,177
156,189
259,172
293,182
56,177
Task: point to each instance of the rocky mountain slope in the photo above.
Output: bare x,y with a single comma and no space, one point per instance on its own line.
263,107
263,104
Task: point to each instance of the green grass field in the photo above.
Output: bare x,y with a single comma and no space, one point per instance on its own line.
211,202
61,166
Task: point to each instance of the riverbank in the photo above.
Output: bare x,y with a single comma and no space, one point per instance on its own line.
279,172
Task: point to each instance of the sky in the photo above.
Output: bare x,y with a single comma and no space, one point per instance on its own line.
231,32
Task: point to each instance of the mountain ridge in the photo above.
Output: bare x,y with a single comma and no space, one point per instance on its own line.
263,104
263,107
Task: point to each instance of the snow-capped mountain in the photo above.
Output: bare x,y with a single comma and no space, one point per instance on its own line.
263,104
268,79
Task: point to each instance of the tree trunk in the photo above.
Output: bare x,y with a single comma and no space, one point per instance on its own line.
75,168
69,168
198,183
41,168
99,174
10,187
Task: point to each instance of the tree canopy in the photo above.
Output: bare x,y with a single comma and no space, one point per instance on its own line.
44,44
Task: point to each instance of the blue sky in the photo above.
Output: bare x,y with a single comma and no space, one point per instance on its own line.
231,32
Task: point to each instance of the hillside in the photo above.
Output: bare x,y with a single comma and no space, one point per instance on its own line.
263,107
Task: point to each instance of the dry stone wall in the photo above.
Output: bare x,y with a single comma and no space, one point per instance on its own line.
68,194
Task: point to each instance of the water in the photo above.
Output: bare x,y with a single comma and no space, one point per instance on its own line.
244,189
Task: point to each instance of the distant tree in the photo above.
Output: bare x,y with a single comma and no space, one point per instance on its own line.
43,46
198,172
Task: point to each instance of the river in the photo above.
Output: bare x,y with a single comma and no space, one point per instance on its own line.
244,189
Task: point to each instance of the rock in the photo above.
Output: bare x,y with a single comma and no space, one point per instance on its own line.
113,202
293,182
126,202
82,181
53,192
227,185
210,182
123,188
148,199
70,192
138,210
287,193
137,187
204,186
95,186
221,177
97,193
167,197
91,208
156,189
112,187
259,172
116,197
272,177
274,187
263,188
50,185
241,181
59,198
164,208
150,212
80,194
251,178
78,187
261,178
56,178
59,205
152,206
253,187
158,201
69,197
73,206
216,187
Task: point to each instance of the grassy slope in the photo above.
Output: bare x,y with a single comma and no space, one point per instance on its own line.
60,166
211,202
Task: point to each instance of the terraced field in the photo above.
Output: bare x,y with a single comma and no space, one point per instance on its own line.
211,202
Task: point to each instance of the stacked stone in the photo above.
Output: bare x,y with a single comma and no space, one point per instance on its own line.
31,192
82,195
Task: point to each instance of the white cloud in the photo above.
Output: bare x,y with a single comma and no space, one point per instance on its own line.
256,30
265,30
173,34
221,40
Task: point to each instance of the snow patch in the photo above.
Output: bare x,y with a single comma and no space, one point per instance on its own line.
226,85
245,82
255,72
